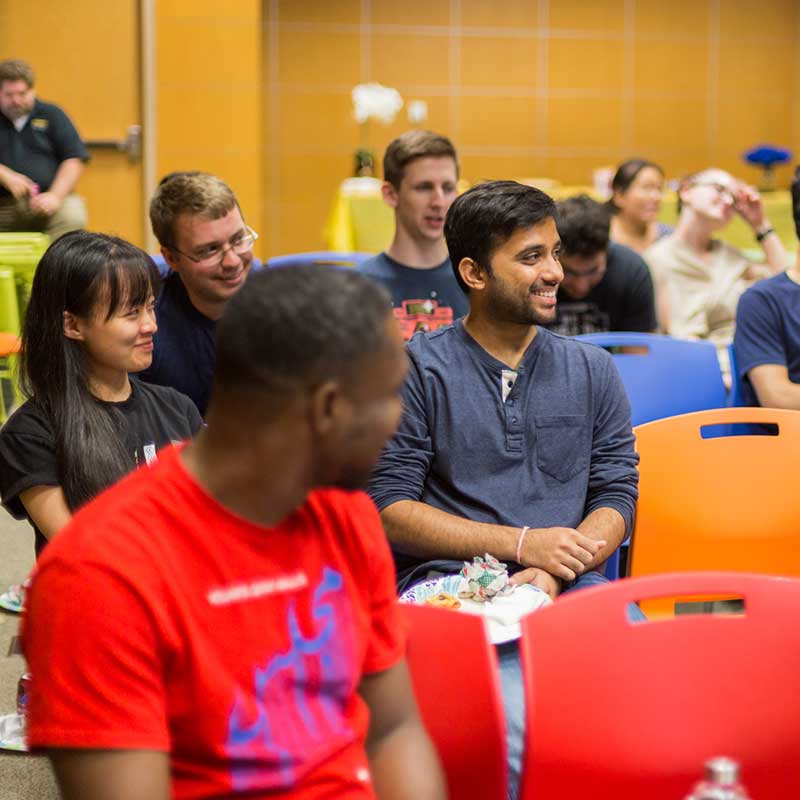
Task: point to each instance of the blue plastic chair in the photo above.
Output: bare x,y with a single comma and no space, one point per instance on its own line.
329,257
735,396
674,376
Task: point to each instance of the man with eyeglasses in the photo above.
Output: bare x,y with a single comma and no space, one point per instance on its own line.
606,286
209,250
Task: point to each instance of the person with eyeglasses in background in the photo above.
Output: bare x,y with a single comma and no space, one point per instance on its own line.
699,279
209,251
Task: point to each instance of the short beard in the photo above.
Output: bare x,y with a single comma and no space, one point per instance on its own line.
505,307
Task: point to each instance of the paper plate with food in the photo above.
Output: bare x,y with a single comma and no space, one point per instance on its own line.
482,588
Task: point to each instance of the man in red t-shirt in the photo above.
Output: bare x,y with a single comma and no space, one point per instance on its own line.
224,623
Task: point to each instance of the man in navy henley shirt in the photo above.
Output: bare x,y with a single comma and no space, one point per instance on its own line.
514,441
507,425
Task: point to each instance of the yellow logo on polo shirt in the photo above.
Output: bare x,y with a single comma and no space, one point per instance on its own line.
40,124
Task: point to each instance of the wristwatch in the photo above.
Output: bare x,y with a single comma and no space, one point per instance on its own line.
761,235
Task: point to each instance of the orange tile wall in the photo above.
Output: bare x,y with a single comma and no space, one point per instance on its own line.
524,88
209,94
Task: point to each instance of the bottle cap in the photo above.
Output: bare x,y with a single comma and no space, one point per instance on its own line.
722,770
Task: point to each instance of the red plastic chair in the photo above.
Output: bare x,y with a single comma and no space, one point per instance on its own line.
454,671
623,711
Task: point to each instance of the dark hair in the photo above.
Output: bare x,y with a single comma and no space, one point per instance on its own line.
796,201
83,273
15,69
626,174
487,215
294,327
412,145
583,225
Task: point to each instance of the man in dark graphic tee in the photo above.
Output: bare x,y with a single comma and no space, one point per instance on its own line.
420,171
606,286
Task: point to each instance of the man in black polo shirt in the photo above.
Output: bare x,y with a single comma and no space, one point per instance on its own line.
41,159
606,286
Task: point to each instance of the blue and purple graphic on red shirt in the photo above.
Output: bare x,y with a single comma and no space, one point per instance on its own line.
295,714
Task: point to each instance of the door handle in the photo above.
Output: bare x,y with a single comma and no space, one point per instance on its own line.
131,144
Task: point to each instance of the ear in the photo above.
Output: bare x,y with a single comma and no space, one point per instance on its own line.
73,327
683,193
328,407
472,273
169,257
389,194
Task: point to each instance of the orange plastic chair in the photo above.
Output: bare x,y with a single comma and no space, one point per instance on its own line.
454,672
9,344
625,711
9,391
723,503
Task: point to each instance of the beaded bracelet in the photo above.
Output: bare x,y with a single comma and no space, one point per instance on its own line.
519,543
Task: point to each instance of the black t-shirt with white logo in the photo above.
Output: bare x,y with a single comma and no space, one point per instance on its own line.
154,416
622,301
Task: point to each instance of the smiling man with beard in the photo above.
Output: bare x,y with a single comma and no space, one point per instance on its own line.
514,441
209,250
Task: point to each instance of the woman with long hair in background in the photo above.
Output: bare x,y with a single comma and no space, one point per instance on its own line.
637,190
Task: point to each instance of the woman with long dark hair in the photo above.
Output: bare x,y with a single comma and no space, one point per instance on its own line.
637,190
87,422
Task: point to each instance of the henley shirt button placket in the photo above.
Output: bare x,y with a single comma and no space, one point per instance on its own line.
513,429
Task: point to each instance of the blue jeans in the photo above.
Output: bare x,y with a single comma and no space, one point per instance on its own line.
514,687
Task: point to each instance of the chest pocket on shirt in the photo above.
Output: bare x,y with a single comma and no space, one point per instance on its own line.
562,446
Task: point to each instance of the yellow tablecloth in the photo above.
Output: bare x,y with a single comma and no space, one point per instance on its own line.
359,220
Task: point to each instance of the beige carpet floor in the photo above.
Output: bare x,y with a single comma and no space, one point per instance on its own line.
22,777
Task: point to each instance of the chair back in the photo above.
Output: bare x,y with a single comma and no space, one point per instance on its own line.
10,395
623,711
21,252
664,376
325,257
454,672
718,503
735,394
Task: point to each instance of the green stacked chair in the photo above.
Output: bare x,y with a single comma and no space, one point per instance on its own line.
19,256
21,253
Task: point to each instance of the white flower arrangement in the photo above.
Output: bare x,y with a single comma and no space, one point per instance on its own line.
374,101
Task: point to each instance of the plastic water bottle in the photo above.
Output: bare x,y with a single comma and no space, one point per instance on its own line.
23,690
721,782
